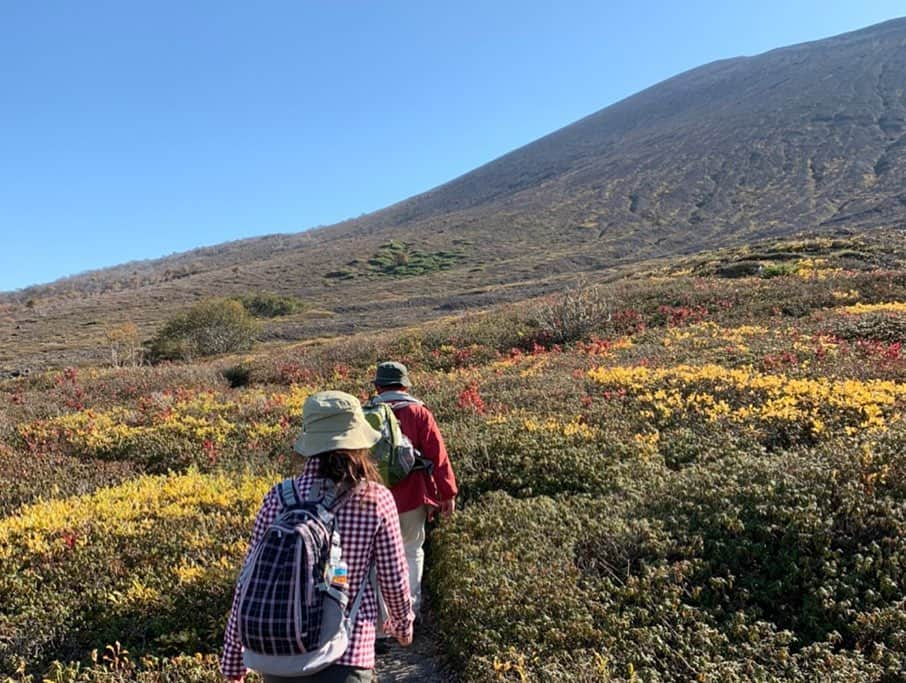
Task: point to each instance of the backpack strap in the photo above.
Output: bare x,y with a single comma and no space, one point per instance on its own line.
328,498
289,496
354,610
342,598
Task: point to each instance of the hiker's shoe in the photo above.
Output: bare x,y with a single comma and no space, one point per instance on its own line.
382,645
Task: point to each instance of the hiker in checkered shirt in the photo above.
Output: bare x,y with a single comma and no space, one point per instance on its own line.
336,440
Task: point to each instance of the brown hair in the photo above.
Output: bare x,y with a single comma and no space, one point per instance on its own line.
349,467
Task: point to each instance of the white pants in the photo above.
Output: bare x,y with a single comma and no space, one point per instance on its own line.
412,529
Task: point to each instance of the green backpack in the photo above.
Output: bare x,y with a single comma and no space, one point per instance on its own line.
394,454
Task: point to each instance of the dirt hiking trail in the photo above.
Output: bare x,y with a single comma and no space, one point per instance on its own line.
422,661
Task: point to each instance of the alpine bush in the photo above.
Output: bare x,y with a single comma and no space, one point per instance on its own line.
209,328
270,305
780,568
575,313
707,484
150,563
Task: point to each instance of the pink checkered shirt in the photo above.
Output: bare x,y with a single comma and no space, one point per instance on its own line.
369,530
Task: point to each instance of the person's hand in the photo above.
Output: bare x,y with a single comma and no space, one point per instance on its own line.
405,641
447,507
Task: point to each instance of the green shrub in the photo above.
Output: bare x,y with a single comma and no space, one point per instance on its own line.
773,568
115,664
270,305
880,326
237,375
777,270
739,269
545,461
26,477
398,259
795,542
209,328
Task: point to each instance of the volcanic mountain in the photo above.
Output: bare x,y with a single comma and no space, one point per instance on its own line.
804,138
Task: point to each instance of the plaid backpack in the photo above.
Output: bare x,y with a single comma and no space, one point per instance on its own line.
394,454
292,622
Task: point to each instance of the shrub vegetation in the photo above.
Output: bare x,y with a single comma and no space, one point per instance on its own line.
397,259
209,328
270,305
168,547
706,483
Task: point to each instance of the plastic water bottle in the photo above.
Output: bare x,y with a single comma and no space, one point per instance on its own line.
340,575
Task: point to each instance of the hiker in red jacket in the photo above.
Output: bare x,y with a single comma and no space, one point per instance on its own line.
422,493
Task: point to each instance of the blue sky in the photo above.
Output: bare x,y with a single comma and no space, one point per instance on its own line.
132,130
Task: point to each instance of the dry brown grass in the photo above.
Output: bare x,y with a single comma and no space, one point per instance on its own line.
71,329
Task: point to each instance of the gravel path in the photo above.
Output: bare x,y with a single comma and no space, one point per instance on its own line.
422,661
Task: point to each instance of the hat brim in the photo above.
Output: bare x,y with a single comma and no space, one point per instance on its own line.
361,435
386,382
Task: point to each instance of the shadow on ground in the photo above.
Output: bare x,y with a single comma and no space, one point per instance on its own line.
422,661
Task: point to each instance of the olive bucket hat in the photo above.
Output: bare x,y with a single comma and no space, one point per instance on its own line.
333,420
392,373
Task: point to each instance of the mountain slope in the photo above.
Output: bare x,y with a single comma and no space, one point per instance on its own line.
817,130
805,138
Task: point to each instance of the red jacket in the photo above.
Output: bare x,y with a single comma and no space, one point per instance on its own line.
420,488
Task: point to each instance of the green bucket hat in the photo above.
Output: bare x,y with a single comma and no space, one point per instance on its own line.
391,373
333,420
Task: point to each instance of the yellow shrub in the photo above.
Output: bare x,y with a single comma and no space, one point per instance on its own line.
743,394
